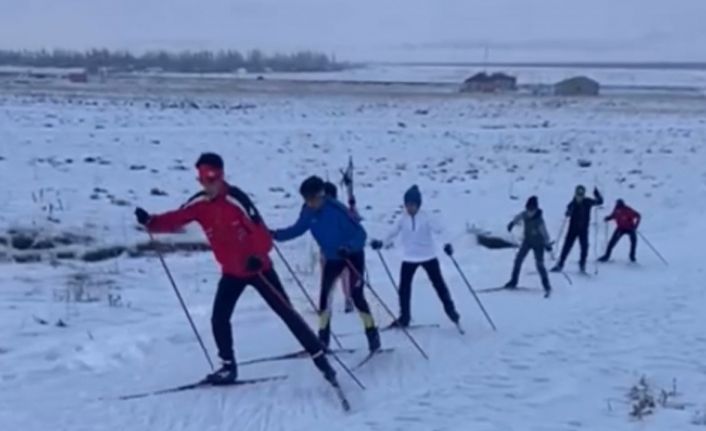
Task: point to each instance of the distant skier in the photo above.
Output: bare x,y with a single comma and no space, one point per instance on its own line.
418,229
341,238
347,278
579,213
241,244
536,239
627,221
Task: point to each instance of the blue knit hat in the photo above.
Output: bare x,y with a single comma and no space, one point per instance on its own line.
413,196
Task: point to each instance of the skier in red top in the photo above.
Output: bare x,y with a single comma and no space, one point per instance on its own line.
627,221
241,244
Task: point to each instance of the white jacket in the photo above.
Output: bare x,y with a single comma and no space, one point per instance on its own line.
417,234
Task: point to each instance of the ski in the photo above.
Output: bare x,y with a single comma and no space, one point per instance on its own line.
201,384
507,289
301,354
417,326
370,356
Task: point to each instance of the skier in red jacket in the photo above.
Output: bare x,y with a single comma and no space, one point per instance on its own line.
627,221
241,244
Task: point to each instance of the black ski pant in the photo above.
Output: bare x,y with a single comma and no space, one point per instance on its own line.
332,271
616,237
522,253
433,270
575,233
270,288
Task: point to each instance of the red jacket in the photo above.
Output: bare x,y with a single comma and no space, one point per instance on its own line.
626,218
232,224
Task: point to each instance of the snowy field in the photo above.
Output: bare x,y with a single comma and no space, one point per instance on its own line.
74,336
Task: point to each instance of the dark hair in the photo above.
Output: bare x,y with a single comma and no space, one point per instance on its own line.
532,203
210,159
311,187
330,190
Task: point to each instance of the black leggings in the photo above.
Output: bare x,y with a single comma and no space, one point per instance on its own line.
270,288
571,237
332,270
433,270
616,237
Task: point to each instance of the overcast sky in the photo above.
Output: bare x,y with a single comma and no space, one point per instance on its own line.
438,30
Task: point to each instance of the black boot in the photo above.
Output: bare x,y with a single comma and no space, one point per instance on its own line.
399,323
227,374
373,339
454,316
325,367
557,268
603,259
511,285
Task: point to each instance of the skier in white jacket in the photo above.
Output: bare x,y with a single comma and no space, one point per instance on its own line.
417,230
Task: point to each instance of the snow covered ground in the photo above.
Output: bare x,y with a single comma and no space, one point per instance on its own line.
75,336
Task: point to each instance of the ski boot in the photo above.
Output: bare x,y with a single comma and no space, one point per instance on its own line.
547,291
226,375
373,339
510,285
582,268
557,268
398,323
322,363
604,259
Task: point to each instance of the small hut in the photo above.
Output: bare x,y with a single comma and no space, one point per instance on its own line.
486,83
577,86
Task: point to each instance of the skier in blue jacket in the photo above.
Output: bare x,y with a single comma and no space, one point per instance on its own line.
341,239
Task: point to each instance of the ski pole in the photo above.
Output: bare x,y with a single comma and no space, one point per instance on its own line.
653,248
306,294
595,241
387,309
561,232
387,270
289,305
181,300
473,292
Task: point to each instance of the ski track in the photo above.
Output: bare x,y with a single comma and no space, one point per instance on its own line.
559,364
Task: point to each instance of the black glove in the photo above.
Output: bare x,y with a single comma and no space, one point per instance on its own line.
448,249
606,219
254,264
549,248
143,217
510,226
376,244
346,180
344,252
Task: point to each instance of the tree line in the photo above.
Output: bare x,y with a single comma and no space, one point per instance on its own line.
224,61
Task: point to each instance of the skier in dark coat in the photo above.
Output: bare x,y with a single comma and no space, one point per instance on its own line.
241,243
536,239
627,221
579,213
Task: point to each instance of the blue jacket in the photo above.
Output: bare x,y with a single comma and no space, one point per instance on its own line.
332,227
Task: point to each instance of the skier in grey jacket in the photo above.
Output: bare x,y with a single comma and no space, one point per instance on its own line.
536,239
